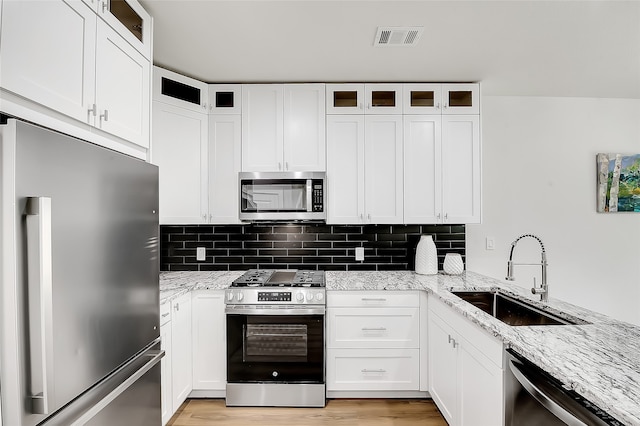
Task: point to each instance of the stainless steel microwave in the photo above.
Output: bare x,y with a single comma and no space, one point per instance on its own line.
283,196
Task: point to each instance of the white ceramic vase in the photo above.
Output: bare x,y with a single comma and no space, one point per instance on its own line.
453,264
426,256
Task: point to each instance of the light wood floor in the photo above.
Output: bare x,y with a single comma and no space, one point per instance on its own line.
338,412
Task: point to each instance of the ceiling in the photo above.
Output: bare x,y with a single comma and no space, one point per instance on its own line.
528,48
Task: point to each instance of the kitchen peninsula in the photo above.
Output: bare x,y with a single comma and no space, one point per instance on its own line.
598,360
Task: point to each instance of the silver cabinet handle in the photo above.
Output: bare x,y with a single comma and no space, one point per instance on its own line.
177,308
164,315
286,165
446,216
374,329
279,166
104,5
367,370
373,299
369,216
453,341
104,116
40,284
93,110
438,105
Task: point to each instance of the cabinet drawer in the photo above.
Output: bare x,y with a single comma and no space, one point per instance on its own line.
373,299
165,313
373,328
379,369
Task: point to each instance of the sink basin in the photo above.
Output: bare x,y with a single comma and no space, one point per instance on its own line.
510,310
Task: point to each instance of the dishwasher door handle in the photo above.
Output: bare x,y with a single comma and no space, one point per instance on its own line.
543,398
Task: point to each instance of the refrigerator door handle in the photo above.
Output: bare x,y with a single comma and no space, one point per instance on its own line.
40,296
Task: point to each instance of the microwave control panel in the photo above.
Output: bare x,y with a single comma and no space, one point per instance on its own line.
317,195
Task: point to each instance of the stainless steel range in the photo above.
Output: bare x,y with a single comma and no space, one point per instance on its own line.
275,339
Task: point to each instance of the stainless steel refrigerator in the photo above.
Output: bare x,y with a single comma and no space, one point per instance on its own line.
79,293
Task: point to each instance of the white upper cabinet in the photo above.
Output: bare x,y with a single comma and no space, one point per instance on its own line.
371,98
180,151
129,19
48,54
225,99
432,98
283,127
175,89
122,99
461,175
59,54
304,127
364,169
224,163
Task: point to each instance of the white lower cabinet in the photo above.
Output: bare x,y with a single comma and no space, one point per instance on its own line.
209,337
465,369
373,343
181,363
165,364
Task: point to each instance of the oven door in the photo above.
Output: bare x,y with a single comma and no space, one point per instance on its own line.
268,347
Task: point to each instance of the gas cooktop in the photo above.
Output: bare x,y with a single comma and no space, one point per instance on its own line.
280,278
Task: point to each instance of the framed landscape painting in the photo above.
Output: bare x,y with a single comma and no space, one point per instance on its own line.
618,182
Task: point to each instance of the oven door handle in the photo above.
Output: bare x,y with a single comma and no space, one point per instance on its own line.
251,310
544,399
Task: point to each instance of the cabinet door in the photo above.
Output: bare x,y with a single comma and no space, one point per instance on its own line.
345,169
443,369
345,98
130,20
461,169
165,366
181,346
175,89
383,169
179,150
460,99
422,173
48,54
225,99
209,356
383,98
304,127
480,396
224,165
262,127
421,98
122,88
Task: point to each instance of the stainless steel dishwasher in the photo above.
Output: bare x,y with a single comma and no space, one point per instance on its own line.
534,398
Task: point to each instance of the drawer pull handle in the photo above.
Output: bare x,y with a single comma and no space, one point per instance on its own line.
164,315
366,370
371,299
374,329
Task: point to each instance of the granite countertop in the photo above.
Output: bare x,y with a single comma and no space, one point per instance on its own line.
599,360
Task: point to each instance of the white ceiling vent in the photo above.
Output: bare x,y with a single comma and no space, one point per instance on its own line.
397,36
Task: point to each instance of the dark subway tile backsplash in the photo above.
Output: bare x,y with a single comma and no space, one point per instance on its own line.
308,246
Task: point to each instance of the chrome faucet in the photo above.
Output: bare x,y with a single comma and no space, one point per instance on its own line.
543,290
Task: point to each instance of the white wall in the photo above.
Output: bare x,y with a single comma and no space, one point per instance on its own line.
539,176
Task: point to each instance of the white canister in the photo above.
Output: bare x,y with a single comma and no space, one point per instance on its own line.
426,256
453,264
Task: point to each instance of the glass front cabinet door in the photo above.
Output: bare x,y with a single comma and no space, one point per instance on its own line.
455,98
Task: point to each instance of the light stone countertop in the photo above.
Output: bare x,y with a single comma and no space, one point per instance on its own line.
600,360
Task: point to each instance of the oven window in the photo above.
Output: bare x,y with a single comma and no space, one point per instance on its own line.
275,348
275,342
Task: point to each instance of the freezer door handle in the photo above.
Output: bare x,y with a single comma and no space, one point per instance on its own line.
40,284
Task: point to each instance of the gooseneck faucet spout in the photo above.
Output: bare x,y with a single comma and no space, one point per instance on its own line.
543,290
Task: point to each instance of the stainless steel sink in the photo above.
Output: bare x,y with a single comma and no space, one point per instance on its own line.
512,311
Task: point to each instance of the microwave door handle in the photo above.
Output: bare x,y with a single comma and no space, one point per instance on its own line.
309,194
40,286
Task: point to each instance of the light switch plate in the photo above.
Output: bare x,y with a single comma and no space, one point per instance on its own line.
201,253
490,243
359,254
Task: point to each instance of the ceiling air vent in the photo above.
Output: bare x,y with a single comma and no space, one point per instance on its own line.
397,36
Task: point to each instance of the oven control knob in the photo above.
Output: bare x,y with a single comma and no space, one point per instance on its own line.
229,296
239,296
309,296
274,374
300,297
319,296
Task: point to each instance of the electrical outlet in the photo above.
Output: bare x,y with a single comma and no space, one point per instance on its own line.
201,253
359,254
